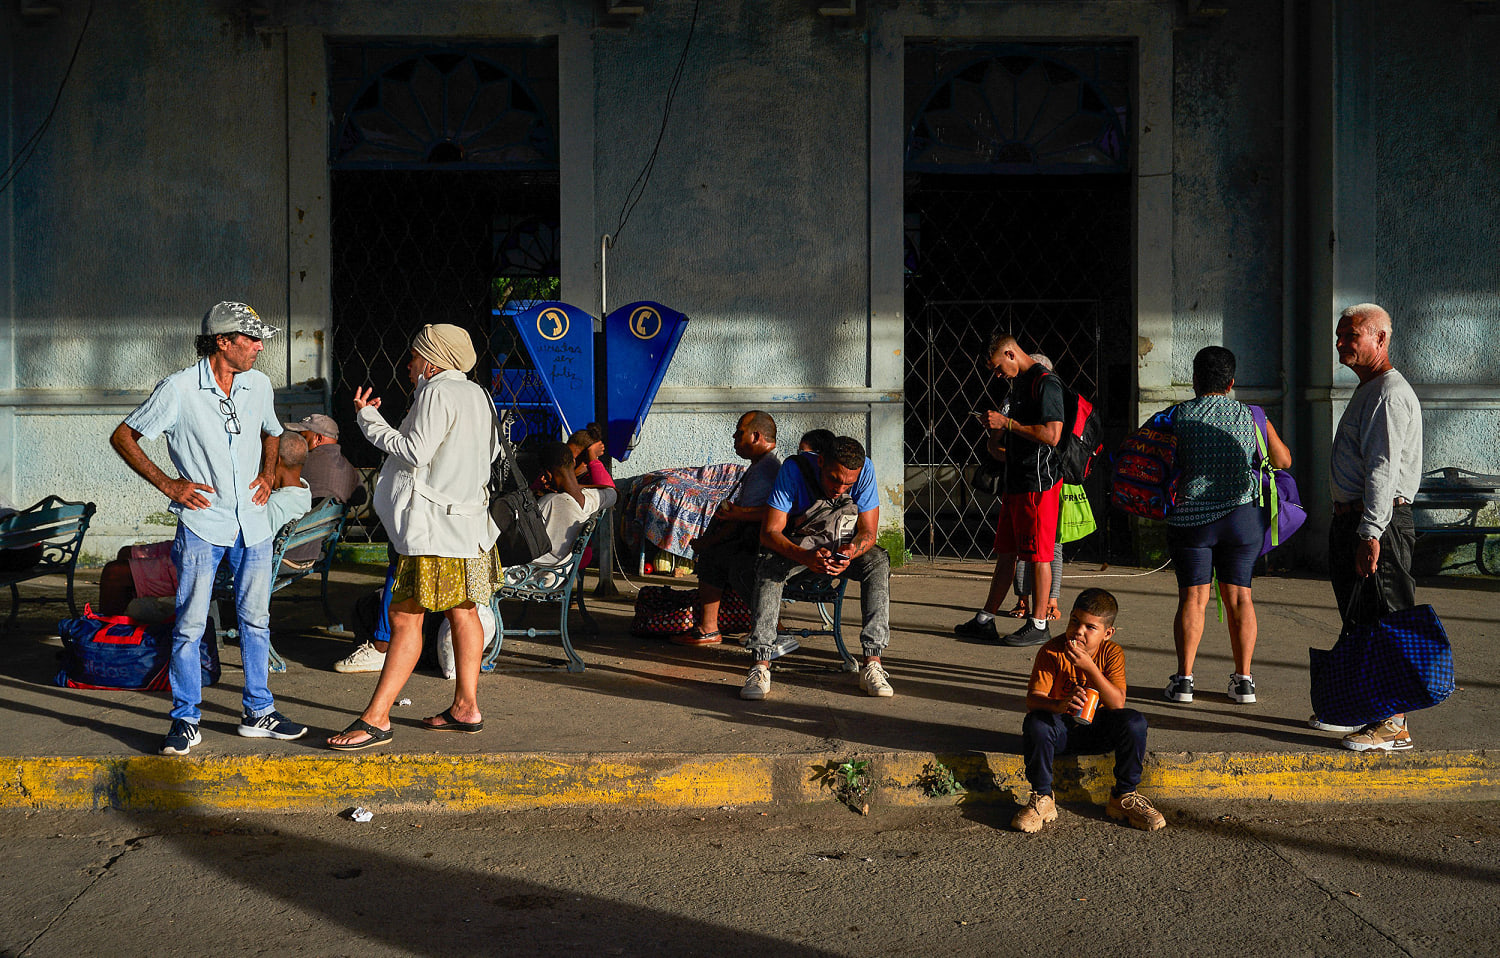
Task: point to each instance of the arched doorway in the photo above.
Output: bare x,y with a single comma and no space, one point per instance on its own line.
1017,217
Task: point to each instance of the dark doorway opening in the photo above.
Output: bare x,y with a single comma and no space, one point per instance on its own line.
1018,218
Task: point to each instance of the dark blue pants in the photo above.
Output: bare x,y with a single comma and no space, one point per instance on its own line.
1045,735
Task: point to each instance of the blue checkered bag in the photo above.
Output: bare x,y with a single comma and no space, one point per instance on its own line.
1398,663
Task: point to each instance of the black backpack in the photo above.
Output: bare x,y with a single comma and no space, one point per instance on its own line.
1082,436
523,533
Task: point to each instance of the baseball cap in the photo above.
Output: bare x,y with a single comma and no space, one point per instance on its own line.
236,318
317,423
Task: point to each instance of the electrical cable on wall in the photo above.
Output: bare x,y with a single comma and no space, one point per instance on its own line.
28,147
638,188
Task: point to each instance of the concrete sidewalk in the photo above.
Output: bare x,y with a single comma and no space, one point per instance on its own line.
654,724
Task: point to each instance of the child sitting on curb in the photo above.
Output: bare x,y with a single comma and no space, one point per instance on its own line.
1083,658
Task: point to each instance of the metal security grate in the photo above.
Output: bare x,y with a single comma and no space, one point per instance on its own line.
1034,258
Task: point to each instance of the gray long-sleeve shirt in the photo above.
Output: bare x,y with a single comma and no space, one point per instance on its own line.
1377,450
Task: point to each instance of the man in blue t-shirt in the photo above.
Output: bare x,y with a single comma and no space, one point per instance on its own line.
822,517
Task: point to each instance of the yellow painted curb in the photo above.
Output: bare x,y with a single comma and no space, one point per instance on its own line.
280,783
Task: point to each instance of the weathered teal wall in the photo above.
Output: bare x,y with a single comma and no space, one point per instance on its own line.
754,222
165,179
1227,192
1436,107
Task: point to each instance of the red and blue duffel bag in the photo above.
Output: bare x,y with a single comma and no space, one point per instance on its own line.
118,652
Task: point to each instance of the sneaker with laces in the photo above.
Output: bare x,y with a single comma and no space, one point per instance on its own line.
1384,736
973,630
1026,635
181,738
1134,808
874,681
1179,688
366,658
1323,726
1038,812
271,725
757,685
1241,689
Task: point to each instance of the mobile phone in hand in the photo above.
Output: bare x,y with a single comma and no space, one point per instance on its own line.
840,556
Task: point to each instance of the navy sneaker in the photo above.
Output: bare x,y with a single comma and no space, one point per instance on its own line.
973,630
182,737
1180,689
1027,634
271,725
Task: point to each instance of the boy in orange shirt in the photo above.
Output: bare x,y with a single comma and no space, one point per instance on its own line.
1084,657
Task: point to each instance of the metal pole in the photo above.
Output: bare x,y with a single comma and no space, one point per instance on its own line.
604,536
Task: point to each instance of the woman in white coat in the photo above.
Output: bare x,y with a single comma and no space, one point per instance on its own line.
431,497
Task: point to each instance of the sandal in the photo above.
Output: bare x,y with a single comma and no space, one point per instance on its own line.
1020,611
451,724
377,736
697,637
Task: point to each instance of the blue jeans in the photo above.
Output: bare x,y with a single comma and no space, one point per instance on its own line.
383,624
872,571
197,562
1045,735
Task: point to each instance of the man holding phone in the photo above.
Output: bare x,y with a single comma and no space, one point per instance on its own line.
822,518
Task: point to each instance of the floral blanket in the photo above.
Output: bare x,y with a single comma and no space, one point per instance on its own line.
671,507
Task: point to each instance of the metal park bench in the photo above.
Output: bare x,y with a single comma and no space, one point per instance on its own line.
1471,495
828,593
323,525
559,584
41,540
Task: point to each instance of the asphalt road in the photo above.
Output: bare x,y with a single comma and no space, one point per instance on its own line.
950,880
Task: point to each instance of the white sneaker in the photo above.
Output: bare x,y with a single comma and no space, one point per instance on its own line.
757,685
366,658
1323,726
874,681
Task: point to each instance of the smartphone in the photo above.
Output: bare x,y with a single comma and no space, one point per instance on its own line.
840,556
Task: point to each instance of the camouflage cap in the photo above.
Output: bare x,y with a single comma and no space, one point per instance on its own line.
236,318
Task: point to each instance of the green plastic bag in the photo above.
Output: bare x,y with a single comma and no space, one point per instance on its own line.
1077,517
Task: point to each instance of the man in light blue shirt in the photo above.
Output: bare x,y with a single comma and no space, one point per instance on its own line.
222,436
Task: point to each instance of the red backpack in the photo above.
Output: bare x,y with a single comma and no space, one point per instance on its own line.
1082,435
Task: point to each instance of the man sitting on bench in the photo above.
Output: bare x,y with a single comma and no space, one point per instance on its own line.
822,517
146,571
566,505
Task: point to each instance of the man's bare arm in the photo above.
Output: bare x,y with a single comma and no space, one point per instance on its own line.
865,533
261,485
127,442
734,513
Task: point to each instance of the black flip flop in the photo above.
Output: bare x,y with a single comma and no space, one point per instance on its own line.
377,736
451,724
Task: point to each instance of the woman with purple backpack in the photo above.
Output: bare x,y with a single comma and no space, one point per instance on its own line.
1217,524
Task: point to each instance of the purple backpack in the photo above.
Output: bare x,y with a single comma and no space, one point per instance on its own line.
1278,491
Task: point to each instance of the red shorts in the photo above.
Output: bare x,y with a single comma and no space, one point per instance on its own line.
1027,526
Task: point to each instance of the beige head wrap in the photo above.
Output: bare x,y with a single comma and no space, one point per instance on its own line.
445,345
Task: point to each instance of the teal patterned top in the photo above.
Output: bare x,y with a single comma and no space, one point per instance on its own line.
1216,453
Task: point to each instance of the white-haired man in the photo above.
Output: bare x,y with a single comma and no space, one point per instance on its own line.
1374,473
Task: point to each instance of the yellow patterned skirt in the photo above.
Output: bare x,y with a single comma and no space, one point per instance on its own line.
440,583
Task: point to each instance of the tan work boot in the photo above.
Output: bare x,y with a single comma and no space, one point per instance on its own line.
1133,807
1038,812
